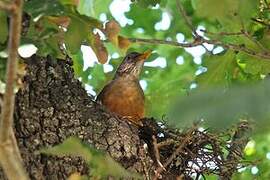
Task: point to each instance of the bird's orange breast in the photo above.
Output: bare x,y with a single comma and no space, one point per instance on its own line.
125,98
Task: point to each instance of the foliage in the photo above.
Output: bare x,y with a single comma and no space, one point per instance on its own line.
102,165
221,109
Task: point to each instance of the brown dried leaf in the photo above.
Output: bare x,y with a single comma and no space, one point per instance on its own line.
100,50
60,21
123,43
112,30
76,2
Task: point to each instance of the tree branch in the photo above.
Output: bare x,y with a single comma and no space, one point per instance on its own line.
264,55
201,41
10,157
223,33
165,42
8,104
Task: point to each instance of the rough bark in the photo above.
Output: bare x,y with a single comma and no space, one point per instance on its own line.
52,106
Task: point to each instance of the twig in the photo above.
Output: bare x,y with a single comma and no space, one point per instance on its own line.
186,18
236,47
165,143
260,21
159,41
222,33
157,156
241,48
247,35
175,153
198,38
10,156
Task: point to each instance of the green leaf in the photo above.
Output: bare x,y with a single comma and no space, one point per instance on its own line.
79,30
78,63
143,18
4,27
3,64
254,65
220,70
101,7
76,33
248,9
221,109
231,14
98,77
71,147
102,165
85,7
165,84
46,7
68,2
147,3
263,34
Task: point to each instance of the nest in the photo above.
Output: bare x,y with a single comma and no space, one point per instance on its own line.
194,153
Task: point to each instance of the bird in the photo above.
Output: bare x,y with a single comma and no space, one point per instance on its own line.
123,95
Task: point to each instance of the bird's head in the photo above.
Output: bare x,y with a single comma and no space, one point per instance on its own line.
132,64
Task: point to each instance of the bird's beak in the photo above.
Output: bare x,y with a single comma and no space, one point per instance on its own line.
144,55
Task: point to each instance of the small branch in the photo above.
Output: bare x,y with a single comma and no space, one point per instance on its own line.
165,42
9,162
260,21
222,33
13,44
265,55
175,153
239,141
165,143
236,47
186,18
10,156
239,47
247,35
157,156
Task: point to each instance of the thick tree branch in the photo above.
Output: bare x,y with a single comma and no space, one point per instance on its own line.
10,156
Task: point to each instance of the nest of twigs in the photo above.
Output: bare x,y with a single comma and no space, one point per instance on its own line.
196,152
